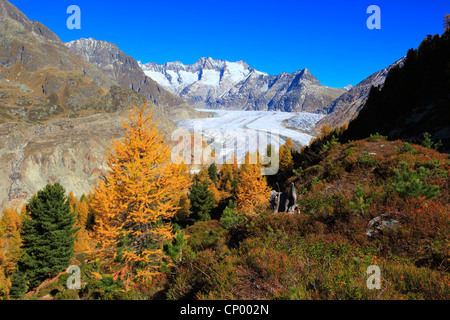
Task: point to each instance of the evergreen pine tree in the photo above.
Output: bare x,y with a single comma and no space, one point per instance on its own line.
202,200
47,235
212,172
412,184
231,219
18,285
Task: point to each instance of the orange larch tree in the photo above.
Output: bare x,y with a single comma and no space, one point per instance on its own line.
252,189
81,210
136,199
10,248
289,144
286,160
447,23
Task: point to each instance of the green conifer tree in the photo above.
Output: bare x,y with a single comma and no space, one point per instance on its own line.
48,235
202,200
18,285
212,172
231,219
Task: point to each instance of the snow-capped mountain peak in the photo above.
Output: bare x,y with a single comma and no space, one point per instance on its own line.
175,76
221,84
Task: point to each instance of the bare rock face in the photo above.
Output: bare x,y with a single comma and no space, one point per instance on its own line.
219,84
42,80
284,201
127,72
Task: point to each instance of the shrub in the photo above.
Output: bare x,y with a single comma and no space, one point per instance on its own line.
349,151
406,148
366,160
231,219
334,171
331,143
359,204
411,183
377,137
207,275
428,143
299,172
206,235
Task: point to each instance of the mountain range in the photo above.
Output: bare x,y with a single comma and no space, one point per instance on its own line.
414,100
219,84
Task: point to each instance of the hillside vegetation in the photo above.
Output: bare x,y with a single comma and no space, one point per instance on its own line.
363,203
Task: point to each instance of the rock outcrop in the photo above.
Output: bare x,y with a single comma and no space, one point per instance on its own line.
68,151
284,201
380,223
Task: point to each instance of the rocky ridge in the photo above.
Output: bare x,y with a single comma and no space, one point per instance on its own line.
347,107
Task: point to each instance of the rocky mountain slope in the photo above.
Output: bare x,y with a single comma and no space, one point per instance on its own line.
127,72
40,79
58,112
219,84
346,107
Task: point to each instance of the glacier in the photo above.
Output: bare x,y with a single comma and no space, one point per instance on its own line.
227,126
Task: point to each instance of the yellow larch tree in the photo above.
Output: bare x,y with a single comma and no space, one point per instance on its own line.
184,208
81,210
227,174
83,242
252,189
325,132
136,199
286,160
289,144
10,247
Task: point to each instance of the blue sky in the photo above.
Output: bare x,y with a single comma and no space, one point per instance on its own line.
330,38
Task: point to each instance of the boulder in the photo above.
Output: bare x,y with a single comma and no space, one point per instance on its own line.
377,224
284,201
